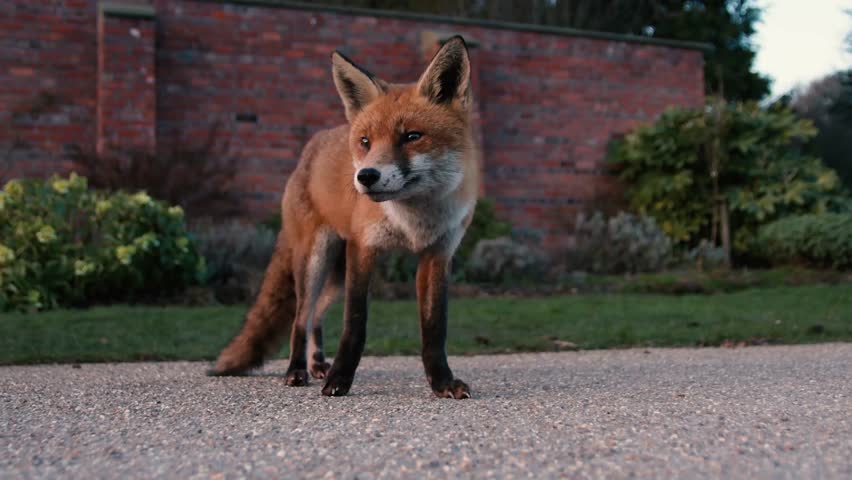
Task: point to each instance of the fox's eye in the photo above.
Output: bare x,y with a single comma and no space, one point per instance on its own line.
411,136
365,142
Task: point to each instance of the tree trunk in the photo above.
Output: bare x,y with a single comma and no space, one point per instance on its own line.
725,228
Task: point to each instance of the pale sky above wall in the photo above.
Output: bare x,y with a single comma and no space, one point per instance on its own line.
802,40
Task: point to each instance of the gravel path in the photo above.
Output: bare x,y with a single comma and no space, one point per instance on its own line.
755,412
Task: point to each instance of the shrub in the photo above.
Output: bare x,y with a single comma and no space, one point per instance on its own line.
692,167
64,244
625,243
501,260
706,256
236,255
819,240
484,225
197,177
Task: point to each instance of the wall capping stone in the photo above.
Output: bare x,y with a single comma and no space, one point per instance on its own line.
425,17
126,9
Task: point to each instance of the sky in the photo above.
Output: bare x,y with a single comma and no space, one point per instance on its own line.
801,40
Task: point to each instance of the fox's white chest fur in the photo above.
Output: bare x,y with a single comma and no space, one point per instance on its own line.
418,225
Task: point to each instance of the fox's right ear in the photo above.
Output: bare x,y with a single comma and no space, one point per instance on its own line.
356,86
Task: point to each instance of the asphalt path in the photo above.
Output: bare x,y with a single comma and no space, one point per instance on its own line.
753,412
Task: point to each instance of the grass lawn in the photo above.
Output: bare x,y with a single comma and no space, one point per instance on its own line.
816,313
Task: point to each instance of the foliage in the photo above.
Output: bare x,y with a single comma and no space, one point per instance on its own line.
727,25
706,256
397,267
236,256
63,244
819,240
842,105
827,102
484,225
501,260
197,177
625,243
760,175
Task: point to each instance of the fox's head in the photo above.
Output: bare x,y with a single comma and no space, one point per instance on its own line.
408,140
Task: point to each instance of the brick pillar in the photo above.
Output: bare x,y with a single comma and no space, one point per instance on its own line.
126,111
430,43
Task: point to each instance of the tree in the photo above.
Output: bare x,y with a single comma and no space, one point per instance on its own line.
720,172
728,25
825,102
843,104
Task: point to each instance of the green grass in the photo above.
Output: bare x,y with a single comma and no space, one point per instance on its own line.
816,313
690,280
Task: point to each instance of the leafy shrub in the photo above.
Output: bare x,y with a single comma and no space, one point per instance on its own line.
236,255
484,225
625,243
819,240
64,244
706,256
501,260
197,177
692,166
397,266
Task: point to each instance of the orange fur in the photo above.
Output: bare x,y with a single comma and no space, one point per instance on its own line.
431,184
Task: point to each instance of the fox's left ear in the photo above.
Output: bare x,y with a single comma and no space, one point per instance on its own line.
447,77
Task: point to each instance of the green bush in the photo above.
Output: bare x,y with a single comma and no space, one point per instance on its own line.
625,243
484,226
691,166
236,256
818,240
505,261
62,244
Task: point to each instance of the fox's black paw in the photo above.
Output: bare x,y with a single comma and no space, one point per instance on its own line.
453,389
320,370
337,386
297,378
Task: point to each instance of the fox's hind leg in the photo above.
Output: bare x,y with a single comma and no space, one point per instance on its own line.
268,320
317,364
311,278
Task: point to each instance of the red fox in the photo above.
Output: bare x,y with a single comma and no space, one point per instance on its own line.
402,174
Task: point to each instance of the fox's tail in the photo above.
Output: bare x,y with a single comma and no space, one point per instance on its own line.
269,320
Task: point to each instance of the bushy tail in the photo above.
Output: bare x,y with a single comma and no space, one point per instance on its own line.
269,320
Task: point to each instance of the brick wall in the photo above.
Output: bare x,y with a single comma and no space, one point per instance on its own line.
549,101
127,95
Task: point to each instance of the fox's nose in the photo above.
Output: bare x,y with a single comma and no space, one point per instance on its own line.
368,176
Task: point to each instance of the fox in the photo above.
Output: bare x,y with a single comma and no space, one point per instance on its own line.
401,174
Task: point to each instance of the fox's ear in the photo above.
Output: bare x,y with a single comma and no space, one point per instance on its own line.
356,86
448,75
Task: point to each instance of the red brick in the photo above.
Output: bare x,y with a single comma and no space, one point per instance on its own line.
547,105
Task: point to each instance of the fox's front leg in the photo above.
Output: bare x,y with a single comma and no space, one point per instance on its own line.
432,277
359,266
